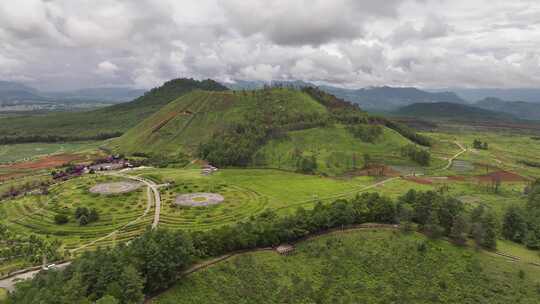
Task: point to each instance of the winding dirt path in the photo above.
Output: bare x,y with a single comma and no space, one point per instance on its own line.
451,159
156,196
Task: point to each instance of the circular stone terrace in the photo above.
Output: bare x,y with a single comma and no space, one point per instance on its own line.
198,199
115,188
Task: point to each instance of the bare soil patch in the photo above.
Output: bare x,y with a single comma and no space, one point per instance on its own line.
375,170
503,176
419,180
198,199
457,178
115,188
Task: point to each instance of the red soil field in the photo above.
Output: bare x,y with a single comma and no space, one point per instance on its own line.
8,176
457,178
418,180
376,170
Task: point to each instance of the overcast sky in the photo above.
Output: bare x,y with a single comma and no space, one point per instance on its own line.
58,44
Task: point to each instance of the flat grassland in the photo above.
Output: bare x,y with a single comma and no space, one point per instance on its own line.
362,267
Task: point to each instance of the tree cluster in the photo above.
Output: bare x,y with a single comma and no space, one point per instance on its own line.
306,164
522,224
366,133
420,156
86,216
439,215
478,144
407,132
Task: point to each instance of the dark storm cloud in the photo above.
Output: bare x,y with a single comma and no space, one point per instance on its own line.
431,43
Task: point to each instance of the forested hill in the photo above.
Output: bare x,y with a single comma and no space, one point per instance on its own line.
451,111
98,124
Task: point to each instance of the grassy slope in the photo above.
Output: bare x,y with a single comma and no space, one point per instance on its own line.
191,119
334,149
117,118
172,130
361,267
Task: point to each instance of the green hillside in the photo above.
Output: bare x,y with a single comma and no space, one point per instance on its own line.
277,128
192,119
451,111
361,267
101,123
335,148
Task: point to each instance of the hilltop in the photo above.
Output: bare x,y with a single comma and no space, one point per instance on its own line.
300,130
98,124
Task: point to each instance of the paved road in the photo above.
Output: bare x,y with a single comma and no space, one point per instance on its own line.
9,283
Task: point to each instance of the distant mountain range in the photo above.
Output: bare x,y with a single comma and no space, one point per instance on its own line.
393,99
372,99
11,91
16,93
472,95
521,109
452,111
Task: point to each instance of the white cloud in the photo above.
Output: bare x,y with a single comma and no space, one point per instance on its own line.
354,43
107,68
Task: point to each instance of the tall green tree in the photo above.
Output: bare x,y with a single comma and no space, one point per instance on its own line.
514,226
489,224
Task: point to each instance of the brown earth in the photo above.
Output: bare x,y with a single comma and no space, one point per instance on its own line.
375,170
7,176
418,180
